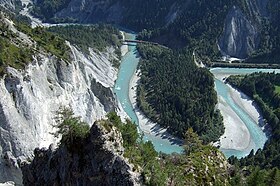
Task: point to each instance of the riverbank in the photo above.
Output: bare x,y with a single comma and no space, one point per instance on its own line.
145,124
237,135
243,101
247,104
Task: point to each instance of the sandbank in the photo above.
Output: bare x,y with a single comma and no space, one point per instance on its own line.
146,125
237,135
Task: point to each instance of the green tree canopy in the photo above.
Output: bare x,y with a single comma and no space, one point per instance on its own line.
70,127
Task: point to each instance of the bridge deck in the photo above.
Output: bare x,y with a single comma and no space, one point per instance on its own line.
144,42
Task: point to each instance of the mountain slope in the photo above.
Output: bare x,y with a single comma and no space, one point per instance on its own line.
35,87
239,27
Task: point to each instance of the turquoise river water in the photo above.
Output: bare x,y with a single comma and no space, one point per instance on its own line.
127,69
257,134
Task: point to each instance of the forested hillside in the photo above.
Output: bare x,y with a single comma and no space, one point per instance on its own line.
270,41
17,53
45,9
177,94
138,14
197,25
95,36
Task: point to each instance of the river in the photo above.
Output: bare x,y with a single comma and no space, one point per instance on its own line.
257,136
127,69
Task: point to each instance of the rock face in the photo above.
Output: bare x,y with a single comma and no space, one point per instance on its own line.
30,98
257,9
98,160
241,35
10,4
93,11
240,38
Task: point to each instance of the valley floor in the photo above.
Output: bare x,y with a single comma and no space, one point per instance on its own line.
237,135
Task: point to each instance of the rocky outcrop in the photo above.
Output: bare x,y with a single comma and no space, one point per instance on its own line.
30,98
242,29
240,37
98,160
88,11
207,167
10,4
256,10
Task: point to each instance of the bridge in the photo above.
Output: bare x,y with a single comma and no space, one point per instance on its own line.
127,41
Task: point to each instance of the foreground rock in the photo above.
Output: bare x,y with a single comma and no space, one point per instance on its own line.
97,160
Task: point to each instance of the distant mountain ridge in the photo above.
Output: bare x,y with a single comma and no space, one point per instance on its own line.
238,27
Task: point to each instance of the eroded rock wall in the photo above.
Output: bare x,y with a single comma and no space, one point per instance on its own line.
30,98
242,29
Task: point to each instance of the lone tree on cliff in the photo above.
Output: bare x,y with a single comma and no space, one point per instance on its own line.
70,127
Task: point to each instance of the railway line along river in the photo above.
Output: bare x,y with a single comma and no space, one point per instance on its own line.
243,123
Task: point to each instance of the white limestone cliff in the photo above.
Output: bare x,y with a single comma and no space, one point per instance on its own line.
242,31
30,98
240,38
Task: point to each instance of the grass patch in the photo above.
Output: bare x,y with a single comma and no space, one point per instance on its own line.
277,89
50,42
17,55
12,55
98,37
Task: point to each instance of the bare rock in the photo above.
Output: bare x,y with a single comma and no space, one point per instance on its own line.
97,160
